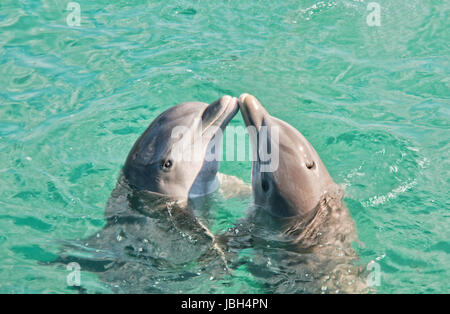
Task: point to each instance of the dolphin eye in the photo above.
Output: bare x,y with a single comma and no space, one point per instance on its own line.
166,165
310,164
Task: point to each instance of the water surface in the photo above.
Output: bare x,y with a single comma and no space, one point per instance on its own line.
374,102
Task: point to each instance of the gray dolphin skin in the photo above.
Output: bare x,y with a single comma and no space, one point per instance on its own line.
156,241
153,242
300,199
151,164
301,179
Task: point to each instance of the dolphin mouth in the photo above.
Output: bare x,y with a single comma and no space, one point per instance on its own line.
252,111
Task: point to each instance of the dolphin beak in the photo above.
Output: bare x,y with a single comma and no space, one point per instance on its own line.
252,111
220,112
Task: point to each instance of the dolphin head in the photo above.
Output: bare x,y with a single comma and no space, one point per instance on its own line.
296,185
170,157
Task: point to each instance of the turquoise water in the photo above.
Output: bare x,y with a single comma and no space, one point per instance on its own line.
374,102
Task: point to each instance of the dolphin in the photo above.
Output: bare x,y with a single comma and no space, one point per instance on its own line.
153,241
299,198
301,179
175,164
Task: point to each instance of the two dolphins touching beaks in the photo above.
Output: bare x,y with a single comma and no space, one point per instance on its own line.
298,195
299,231
294,188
